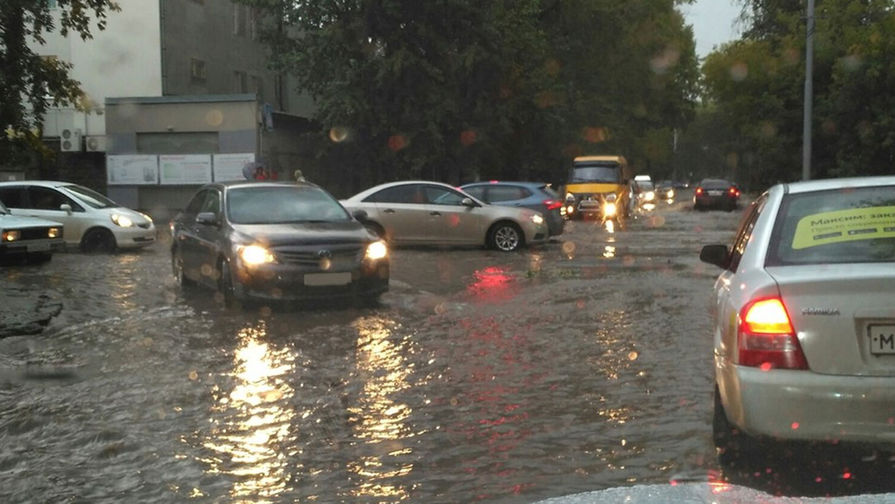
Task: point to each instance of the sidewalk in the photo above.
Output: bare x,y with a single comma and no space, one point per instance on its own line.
23,311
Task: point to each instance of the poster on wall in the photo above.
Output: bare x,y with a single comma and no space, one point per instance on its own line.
134,169
184,168
229,166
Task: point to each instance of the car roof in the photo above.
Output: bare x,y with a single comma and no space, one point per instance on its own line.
504,182
41,183
837,183
371,190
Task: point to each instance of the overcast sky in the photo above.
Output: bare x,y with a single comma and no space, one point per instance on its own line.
713,23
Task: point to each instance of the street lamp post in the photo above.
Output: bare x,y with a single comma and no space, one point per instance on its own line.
809,91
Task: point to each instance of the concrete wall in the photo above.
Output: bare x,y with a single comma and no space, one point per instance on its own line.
231,119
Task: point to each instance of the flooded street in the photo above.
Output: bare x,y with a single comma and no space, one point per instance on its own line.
579,365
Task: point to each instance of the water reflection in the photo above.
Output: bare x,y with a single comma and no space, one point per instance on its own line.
492,284
378,417
253,419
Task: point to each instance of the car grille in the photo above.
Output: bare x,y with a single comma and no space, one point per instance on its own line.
316,255
38,233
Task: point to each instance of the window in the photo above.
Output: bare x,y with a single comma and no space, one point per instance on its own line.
257,87
12,197
441,196
240,82
239,19
44,198
507,193
407,193
745,232
197,70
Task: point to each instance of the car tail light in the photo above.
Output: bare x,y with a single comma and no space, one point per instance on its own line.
698,191
766,338
734,192
552,204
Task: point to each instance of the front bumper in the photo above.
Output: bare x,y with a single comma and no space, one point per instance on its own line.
134,237
802,405
46,246
289,282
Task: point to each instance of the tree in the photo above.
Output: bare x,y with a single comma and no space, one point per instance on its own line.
461,89
30,83
757,85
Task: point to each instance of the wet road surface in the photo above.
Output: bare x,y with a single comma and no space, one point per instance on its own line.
579,365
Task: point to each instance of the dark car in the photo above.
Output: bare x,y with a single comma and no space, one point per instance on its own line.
665,191
533,195
716,193
276,241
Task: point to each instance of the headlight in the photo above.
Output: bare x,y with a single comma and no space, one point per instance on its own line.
148,218
254,255
611,197
376,250
122,220
10,236
609,209
670,193
53,232
649,195
537,219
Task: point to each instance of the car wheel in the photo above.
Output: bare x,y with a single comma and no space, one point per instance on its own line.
731,443
506,237
226,287
98,240
177,269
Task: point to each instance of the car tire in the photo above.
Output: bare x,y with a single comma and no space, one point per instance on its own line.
506,237
177,269
230,293
98,240
730,442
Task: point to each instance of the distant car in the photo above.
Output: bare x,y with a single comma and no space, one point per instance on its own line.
532,195
665,191
91,221
276,241
30,238
804,318
716,193
431,213
643,190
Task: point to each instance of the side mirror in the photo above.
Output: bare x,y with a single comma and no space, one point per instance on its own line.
207,218
718,255
359,214
65,207
467,202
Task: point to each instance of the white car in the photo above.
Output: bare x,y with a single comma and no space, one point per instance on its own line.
804,317
28,237
91,221
420,212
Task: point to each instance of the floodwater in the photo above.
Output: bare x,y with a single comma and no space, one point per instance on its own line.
579,365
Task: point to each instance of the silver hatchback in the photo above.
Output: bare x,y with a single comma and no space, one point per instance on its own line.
804,316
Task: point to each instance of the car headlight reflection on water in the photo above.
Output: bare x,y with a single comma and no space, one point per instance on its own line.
254,255
376,250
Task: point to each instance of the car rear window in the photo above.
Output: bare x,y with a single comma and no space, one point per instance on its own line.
850,225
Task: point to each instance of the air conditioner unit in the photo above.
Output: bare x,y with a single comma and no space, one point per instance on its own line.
70,140
96,143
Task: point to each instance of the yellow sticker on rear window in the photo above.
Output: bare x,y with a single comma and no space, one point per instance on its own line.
843,226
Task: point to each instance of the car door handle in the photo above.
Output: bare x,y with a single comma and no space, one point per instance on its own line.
388,210
435,213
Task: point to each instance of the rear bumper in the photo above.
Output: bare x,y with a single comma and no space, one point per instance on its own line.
801,405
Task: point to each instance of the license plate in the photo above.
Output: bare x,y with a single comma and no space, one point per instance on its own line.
38,247
716,193
321,279
882,339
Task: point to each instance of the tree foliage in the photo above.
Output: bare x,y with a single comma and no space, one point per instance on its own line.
462,89
757,85
29,83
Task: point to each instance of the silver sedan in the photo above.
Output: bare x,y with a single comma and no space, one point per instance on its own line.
804,317
432,213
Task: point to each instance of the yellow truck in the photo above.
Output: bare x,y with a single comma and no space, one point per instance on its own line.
598,187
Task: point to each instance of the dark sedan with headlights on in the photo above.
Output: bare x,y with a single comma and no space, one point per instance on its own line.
278,242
